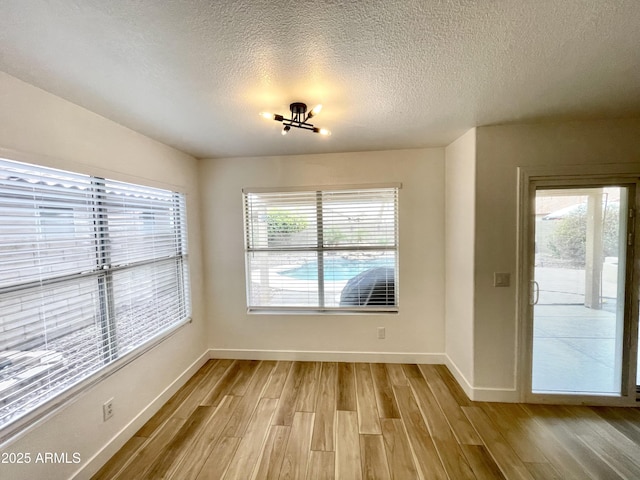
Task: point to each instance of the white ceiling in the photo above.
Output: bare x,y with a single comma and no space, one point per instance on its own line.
390,74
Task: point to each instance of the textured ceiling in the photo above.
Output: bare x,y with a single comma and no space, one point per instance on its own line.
390,74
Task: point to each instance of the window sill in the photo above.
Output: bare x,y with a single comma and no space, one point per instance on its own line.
322,311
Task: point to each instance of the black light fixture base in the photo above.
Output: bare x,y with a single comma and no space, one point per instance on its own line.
298,108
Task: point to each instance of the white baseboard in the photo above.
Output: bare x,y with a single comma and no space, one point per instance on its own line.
459,376
116,443
504,395
474,393
479,394
324,356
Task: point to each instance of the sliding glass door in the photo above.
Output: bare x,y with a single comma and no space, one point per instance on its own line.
580,291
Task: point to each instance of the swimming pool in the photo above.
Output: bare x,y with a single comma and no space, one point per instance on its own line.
338,268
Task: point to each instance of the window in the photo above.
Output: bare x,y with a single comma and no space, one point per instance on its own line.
90,270
322,250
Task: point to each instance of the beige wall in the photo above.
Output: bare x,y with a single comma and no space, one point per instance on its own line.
460,199
416,333
38,127
500,150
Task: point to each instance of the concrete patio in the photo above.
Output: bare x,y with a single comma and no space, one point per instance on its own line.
574,347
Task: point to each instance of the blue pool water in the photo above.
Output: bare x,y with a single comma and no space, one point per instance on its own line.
337,268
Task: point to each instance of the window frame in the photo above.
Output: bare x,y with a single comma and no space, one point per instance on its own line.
319,248
56,399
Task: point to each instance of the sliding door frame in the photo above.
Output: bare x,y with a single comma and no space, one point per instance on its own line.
529,179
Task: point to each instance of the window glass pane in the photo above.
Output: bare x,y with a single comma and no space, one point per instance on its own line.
283,279
579,309
356,278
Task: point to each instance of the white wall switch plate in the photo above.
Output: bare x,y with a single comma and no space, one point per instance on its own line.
501,279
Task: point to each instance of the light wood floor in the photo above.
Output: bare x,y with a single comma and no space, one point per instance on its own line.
308,420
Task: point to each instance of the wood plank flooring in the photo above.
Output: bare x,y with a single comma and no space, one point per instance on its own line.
246,419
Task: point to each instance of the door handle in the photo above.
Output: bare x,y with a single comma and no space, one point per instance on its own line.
535,293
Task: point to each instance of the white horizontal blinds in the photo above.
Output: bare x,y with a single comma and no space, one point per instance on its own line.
142,223
304,247
47,295
281,220
51,340
146,230
67,309
46,224
360,218
147,300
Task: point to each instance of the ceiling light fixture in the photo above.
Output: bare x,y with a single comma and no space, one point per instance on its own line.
299,118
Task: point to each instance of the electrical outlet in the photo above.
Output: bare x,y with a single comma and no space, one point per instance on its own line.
107,410
381,333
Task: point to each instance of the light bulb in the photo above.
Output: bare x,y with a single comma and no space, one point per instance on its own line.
286,129
315,110
324,131
267,115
